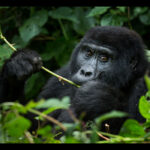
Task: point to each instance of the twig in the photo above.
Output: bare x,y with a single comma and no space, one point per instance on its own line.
45,69
59,77
73,116
10,45
129,23
49,118
63,29
36,112
29,137
102,136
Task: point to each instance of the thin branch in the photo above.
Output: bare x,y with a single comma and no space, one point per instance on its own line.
45,69
63,29
29,137
10,45
129,23
73,116
49,118
102,136
59,77
36,112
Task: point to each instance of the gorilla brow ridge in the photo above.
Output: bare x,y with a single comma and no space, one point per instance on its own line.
97,47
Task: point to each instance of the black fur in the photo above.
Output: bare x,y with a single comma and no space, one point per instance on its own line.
118,88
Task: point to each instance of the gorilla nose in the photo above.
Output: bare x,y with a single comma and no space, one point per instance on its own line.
86,73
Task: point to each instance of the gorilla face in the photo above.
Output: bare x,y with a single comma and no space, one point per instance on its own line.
113,55
92,60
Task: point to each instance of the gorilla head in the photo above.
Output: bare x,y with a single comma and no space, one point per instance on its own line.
114,55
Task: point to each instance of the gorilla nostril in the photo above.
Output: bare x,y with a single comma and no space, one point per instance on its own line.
88,73
82,72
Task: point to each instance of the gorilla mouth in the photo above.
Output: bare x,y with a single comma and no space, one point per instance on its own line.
80,80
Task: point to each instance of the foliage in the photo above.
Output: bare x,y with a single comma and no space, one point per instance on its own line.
14,126
53,32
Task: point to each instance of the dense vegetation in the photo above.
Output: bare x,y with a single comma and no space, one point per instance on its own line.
53,32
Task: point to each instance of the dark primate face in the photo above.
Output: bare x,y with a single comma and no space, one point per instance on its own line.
93,61
109,54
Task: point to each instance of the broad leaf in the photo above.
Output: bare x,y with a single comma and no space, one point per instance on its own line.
112,114
85,23
56,103
63,13
5,53
98,11
144,107
131,128
32,26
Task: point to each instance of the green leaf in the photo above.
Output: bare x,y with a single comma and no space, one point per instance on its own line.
147,80
131,128
147,52
85,23
60,49
5,53
53,49
98,11
145,18
80,136
106,20
69,139
144,107
44,131
39,18
31,104
19,43
63,13
16,126
55,103
112,114
33,86
122,9
28,31
32,26
139,10
2,139
112,20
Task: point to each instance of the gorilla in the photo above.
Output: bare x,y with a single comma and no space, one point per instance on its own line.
109,64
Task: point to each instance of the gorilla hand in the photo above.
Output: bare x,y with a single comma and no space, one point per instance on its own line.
22,64
95,98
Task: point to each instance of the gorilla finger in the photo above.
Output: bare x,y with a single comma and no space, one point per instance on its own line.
37,61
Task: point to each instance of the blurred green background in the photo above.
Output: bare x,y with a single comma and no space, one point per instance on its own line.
54,31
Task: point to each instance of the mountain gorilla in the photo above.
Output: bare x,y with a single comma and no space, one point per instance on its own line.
109,63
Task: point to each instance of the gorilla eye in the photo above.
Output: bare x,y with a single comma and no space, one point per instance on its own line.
89,53
103,58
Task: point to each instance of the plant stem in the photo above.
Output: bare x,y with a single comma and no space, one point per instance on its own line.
49,118
63,29
129,23
45,69
29,137
36,112
59,77
10,45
